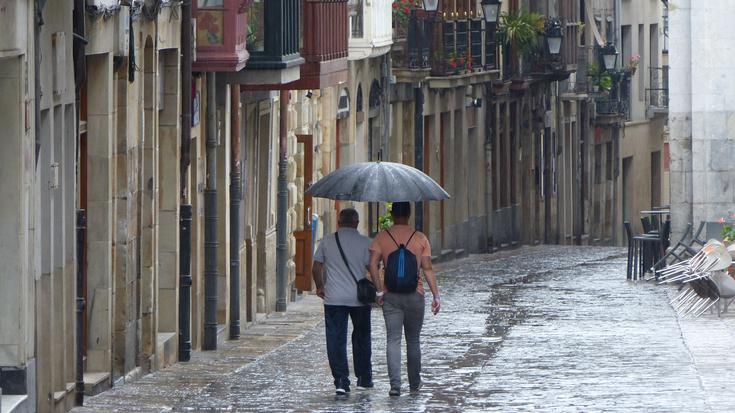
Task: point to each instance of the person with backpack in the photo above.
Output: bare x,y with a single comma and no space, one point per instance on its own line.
340,264
406,257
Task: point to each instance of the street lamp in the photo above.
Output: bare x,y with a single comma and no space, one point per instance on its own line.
431,5
609,56
554,34
490,10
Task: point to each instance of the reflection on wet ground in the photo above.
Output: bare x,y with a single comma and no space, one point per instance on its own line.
536,329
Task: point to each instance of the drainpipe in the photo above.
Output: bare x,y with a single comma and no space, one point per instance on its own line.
282,206
185,283
418,131
185,217
386,120
79,373
37,23
235,195
489,134
186,58
79,78
210,221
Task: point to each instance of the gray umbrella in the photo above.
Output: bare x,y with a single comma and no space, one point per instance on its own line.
378,182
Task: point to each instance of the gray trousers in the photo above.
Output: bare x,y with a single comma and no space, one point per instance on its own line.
403,312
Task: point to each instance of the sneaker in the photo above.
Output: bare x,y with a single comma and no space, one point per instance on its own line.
417,388
394,392
341,391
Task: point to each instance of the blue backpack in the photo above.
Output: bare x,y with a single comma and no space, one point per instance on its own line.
401,270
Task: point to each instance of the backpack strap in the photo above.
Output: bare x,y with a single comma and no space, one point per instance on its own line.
394,240
410,238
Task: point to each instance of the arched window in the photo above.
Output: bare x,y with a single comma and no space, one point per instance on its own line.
358,99
343,106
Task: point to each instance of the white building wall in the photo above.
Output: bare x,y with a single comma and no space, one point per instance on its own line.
702,121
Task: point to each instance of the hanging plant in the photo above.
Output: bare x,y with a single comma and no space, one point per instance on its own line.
520,30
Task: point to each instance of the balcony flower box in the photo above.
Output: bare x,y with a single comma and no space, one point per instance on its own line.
221,35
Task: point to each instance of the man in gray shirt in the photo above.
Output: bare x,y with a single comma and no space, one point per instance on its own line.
337,287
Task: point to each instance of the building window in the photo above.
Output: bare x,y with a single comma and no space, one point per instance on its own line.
355,12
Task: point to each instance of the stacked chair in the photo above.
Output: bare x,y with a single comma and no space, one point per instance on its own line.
704,279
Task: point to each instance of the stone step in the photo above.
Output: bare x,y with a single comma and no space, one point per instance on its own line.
96,383
14,404
167,350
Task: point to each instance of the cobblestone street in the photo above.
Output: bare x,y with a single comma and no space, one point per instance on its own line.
536,329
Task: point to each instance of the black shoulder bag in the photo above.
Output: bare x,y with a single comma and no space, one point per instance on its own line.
365,289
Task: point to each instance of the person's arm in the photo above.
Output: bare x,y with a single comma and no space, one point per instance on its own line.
317,273
431,280
375,274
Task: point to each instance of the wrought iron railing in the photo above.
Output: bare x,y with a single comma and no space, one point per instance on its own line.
447,47
657,96
611,107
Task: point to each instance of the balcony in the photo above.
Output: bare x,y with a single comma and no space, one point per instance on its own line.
657,96
221,33
371,34
450,52
325,46
318,48
274,54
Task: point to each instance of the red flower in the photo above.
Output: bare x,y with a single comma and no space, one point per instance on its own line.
406,10
395,5
721,220
404,1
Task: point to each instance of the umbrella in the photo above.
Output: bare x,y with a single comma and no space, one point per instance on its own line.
378,182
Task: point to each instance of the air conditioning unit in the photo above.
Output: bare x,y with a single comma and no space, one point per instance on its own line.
14,39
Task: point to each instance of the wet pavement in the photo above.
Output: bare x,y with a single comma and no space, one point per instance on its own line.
535,329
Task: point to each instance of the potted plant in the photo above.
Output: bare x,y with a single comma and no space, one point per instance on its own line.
452,63
593,75
632,65
402,15
606,82
520,30
728,231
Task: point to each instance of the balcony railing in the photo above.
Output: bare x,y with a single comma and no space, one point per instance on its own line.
325,30
657,96
611,107
274,34
447,47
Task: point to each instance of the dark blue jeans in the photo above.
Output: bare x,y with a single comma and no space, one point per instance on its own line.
335,318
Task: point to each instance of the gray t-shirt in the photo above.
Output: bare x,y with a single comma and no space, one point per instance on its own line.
339,287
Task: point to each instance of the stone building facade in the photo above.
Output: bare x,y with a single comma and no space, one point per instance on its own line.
701,120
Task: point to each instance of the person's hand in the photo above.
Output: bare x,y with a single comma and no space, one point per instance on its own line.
320,292
436,305
380,299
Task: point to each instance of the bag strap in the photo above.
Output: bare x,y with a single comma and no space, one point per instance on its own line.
394,240
410,238
344,258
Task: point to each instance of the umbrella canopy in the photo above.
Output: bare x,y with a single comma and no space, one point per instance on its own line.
378,182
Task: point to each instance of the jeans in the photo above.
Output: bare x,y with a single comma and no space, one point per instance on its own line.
335,318
403,313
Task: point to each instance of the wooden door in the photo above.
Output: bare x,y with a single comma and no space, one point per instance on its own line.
304,239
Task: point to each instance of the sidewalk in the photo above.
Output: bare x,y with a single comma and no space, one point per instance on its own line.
181,382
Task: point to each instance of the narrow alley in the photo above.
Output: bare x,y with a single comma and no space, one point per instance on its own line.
536,329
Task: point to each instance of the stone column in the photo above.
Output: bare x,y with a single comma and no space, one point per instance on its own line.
680,116
99,203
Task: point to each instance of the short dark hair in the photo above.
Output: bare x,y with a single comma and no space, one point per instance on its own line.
401,210
349,217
